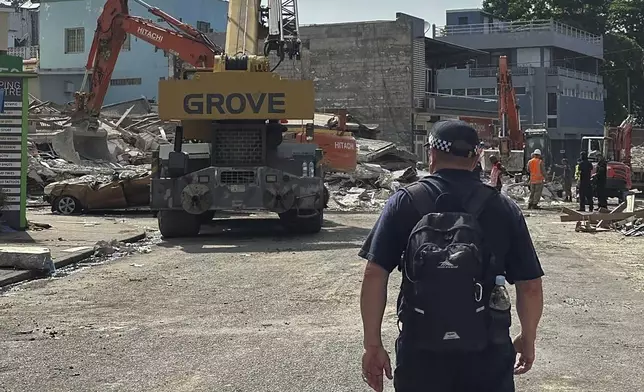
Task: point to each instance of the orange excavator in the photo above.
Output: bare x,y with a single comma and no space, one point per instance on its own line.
186,43
510,137
182,40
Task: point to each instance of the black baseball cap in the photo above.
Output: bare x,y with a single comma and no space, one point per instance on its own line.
454,137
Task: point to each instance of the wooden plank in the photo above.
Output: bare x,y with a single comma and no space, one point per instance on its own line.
571,211
619,208
618,216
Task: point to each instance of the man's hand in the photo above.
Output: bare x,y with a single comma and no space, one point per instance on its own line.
375,360
525,354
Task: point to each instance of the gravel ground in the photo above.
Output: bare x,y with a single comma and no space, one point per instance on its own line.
245,308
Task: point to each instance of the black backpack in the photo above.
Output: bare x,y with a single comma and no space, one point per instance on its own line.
448,271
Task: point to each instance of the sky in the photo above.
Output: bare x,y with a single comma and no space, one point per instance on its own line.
336,11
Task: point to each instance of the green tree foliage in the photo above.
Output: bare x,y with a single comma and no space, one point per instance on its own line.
622,24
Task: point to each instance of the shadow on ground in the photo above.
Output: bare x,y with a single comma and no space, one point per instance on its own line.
16,237
267,235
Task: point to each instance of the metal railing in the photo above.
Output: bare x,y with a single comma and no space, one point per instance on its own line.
574,74
500,27
26,52
519,70
486,72
433,101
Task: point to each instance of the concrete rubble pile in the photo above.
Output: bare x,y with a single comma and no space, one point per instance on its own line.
59,152
637,156
630,227
552,191
382,169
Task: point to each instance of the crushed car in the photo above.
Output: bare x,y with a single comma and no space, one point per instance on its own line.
124,190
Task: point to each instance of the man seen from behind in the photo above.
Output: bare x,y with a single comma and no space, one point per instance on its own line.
585,186
456,242
566,174
537,172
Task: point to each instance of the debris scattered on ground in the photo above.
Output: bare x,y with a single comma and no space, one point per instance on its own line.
115,248
637,156
35,226
630,227
124,141
368,187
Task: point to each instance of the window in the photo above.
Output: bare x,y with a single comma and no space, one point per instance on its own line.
75,40
419,149
552,123
520,90
204,27
474,91
127,44
552,104
489,92
458,91
125,82
463,20
429,80
445,91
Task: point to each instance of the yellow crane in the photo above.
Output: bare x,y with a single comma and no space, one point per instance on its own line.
235,111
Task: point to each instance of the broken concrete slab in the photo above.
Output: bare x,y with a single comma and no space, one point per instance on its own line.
31,258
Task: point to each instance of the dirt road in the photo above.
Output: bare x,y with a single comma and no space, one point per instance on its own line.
265,312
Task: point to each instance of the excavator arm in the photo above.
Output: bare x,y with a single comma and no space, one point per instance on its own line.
624,140
510,136
114,23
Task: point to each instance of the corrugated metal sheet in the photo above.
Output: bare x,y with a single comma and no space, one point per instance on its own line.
419,74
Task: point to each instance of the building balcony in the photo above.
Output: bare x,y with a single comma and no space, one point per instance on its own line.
508,35
488,72
574,74
26,52
460,105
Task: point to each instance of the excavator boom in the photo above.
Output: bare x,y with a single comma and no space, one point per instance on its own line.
508,106
190,45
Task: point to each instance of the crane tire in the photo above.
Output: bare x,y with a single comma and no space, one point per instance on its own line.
177,224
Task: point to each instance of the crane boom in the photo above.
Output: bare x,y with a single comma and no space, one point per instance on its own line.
242,31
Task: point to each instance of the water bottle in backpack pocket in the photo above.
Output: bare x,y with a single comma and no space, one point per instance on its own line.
500,312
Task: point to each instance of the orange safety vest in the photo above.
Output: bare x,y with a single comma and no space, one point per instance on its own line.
534,166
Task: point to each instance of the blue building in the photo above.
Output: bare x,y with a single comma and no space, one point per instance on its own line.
555,70
66,31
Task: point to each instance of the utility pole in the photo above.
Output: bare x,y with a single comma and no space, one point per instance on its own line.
628,93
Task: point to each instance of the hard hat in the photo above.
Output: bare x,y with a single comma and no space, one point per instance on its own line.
536,152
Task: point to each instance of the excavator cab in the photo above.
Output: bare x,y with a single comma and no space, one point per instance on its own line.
537,138
596,147
618,174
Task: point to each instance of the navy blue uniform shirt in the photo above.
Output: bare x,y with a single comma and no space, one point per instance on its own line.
501,217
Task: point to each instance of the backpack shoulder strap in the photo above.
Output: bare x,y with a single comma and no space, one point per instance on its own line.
423,194
478,199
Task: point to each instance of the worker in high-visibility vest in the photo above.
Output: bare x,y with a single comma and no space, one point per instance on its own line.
537,171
